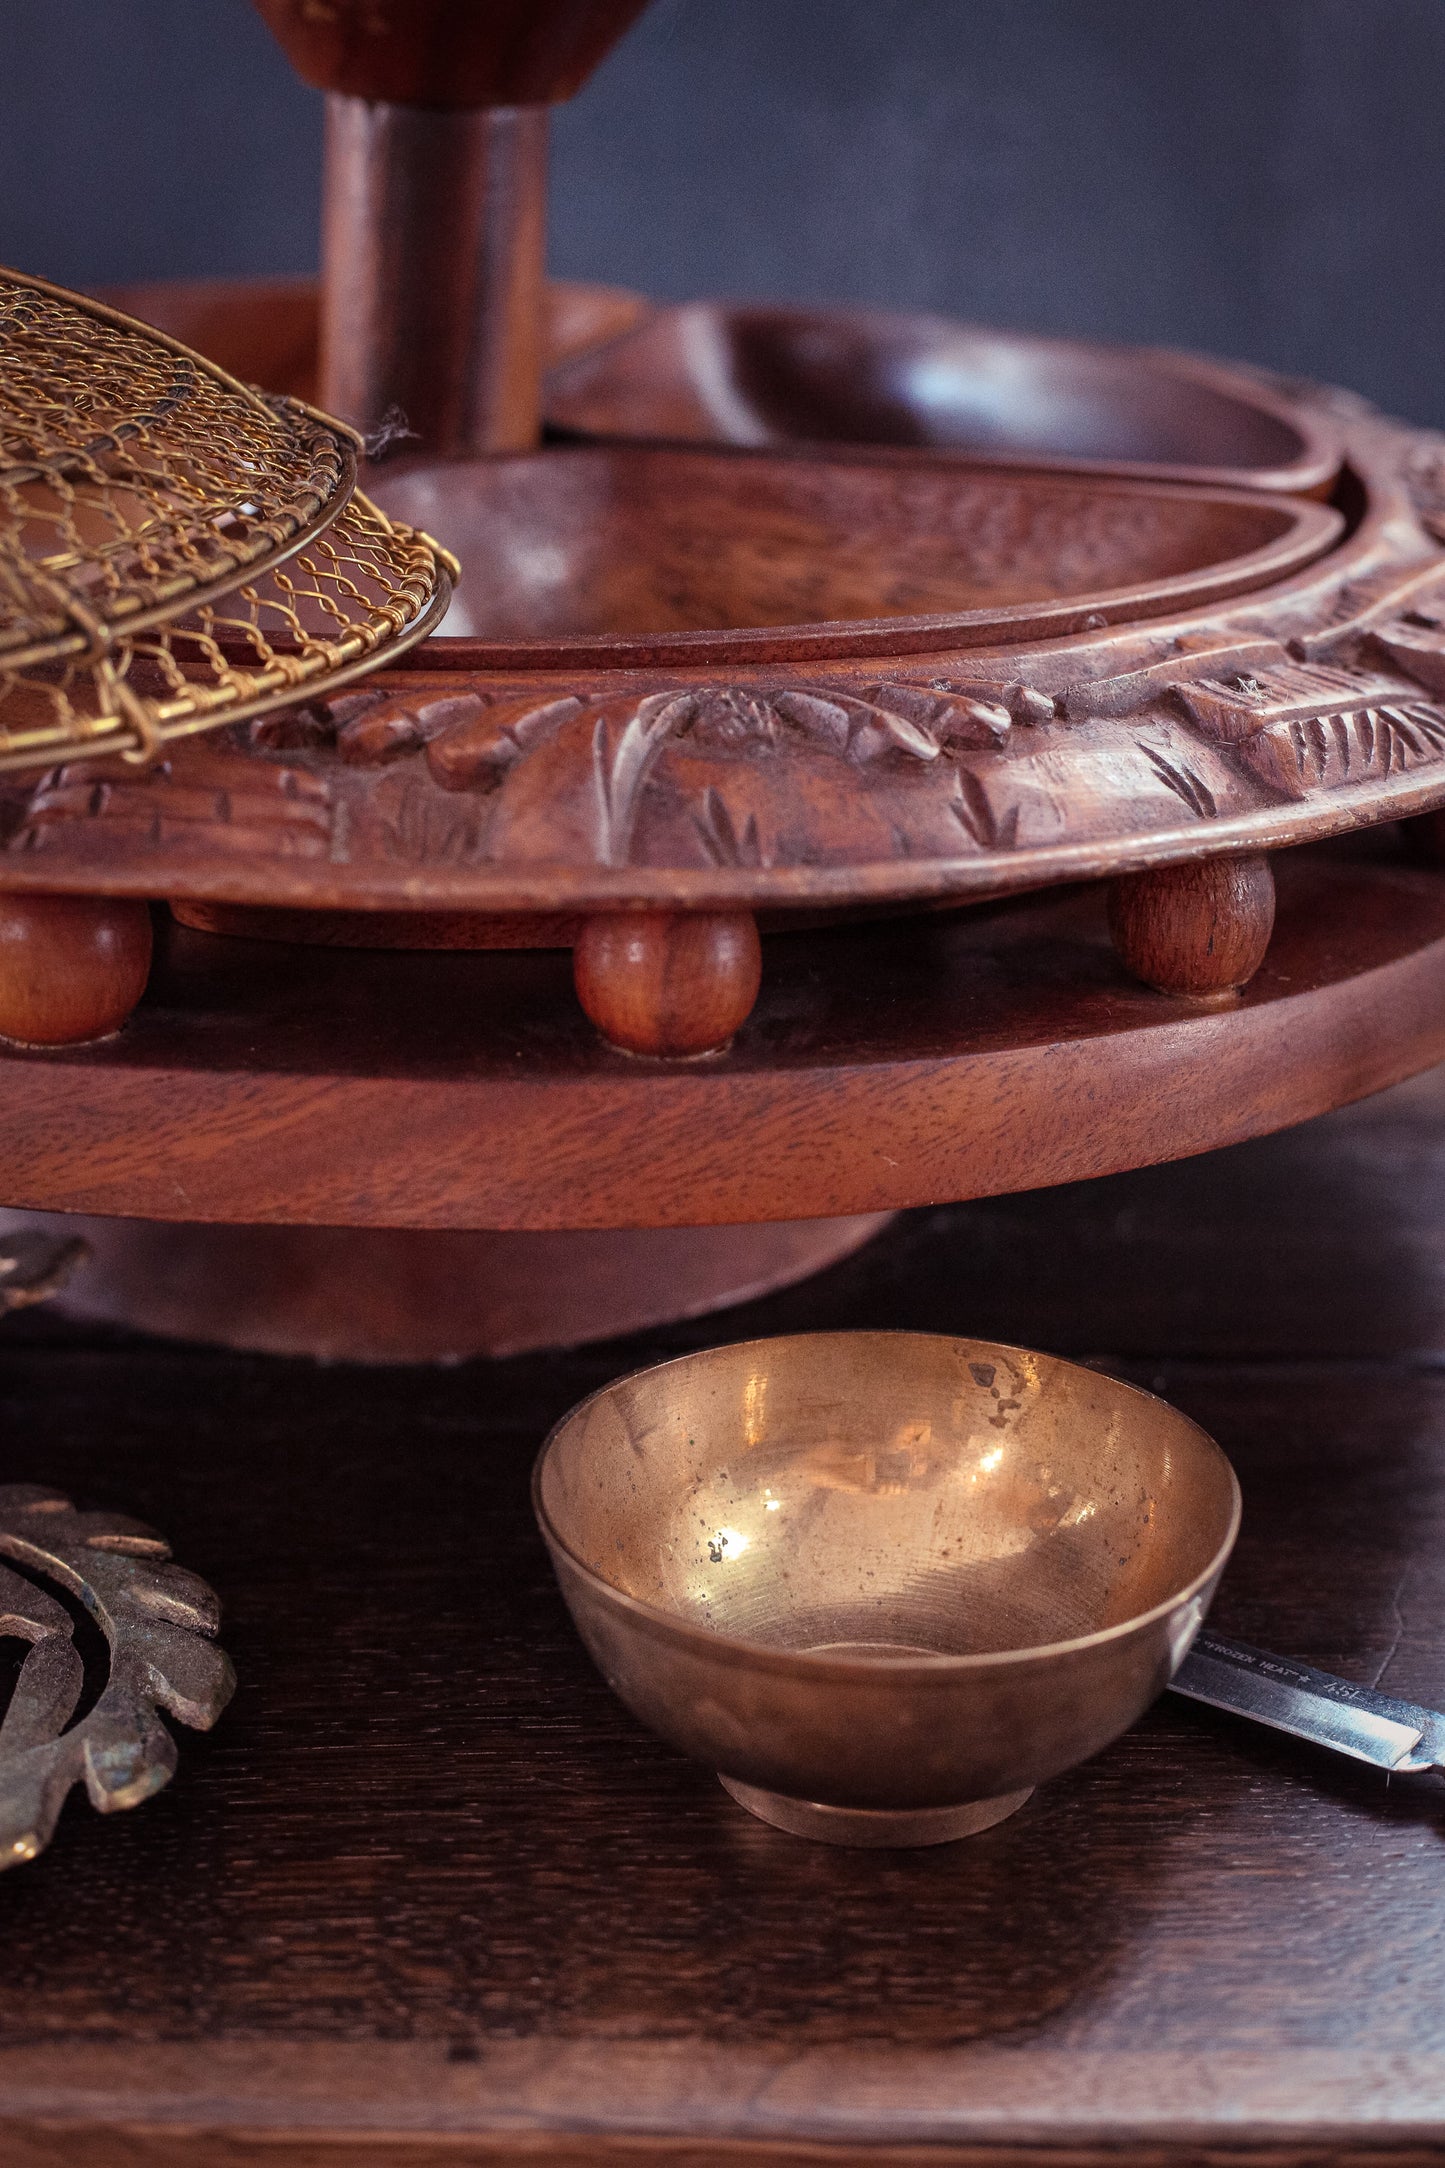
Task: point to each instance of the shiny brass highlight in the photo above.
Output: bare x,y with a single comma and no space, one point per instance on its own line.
884,1582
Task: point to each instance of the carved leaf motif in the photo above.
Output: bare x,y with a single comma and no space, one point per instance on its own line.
619,770
1300,727
878,730
949,717
1415,643
734,715
862,729
477,749
386,728
720,839
1185,784
1223,659
1365,744
1234,708
915,720
816,714
973,809
1026,704
960,716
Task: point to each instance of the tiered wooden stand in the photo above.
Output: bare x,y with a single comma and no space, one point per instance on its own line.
821,803
363,1015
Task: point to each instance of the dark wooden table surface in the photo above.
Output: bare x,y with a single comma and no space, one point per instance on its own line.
429,1894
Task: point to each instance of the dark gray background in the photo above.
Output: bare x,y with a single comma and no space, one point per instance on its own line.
1257,177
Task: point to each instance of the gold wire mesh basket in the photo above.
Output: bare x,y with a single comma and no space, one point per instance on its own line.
176,550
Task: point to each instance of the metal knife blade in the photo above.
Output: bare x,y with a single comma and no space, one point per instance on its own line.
1274,1690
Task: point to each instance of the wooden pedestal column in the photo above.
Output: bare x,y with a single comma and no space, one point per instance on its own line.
433,274
434,226
1198,928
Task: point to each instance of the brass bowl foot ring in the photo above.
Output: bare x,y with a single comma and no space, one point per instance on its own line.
872,1826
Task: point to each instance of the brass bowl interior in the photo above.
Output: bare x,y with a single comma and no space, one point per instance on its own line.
616,543
887,1495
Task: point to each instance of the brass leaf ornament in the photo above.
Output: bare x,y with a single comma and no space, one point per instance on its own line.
159,1624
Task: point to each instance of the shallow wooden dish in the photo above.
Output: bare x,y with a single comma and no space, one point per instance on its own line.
621,554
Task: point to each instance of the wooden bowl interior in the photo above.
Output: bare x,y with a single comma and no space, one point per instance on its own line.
628,540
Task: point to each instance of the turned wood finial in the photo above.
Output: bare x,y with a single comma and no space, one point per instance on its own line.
71,967
668,983
1198,928
449,53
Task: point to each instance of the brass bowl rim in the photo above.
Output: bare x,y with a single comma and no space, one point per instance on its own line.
938,1666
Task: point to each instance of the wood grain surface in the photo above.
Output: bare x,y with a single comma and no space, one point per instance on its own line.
433,274
427,1896
908,1062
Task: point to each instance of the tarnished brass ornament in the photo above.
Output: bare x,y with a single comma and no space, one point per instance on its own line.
35,1266
159,1622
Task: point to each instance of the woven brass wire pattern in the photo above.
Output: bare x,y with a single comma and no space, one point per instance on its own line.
354,595
177,549
136,477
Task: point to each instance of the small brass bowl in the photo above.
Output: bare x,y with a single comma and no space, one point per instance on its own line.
884,1582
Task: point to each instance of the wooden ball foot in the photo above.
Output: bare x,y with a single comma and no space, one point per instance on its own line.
668,983
1199,928
71,967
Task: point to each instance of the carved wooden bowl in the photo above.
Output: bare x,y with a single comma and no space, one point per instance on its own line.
703,684
719,374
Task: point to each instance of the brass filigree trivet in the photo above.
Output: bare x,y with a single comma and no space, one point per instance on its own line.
352,597
176,549
135,476
158,1621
